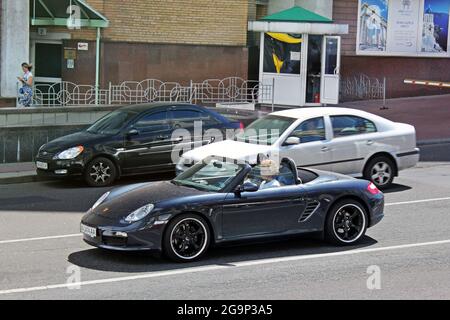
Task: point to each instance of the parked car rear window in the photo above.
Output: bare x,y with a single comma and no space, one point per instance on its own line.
310,130
112,122
351,125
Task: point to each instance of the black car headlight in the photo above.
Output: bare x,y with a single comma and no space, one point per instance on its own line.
69,154
140,213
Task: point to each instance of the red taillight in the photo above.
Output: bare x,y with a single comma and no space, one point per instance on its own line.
241,125
373,189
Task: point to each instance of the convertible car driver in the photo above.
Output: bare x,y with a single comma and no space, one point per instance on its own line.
269,172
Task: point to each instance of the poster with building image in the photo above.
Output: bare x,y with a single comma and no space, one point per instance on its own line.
373,20
403,28
435,26
403,24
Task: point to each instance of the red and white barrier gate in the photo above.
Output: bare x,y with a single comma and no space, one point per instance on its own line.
428,83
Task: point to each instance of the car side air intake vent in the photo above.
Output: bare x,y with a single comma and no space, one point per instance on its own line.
311,207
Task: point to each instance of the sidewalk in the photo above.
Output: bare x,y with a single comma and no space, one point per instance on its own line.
18,173
430,115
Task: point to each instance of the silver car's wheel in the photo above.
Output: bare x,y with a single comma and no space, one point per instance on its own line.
100,172
380,171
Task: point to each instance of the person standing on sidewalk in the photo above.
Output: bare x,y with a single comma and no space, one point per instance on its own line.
26,92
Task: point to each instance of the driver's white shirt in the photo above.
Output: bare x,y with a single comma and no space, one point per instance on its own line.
271,184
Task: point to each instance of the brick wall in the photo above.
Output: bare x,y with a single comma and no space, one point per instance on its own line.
171,40
124,61
346,12
205,22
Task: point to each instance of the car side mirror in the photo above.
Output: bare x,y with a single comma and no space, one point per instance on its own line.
292,141
248,187
132,132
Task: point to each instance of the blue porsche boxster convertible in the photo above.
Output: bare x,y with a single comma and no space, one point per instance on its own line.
221,200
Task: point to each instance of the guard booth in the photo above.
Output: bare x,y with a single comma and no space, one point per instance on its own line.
300,57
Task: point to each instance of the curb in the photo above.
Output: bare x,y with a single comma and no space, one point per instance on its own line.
24,178
433,141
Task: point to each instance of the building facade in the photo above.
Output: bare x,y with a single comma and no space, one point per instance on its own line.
173,41
195,40
395,66
393,63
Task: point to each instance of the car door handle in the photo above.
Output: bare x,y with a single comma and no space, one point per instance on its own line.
325,149
370,142
162,137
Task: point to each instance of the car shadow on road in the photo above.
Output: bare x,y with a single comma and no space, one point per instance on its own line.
137,262
78,183
394,188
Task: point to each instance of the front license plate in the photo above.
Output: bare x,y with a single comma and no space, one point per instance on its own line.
89,231
42,165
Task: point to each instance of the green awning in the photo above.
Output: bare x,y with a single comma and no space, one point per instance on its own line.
57,12
296,14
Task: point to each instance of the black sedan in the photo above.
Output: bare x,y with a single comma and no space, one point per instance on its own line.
218,201
129,141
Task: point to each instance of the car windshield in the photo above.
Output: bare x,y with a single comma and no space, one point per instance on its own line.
266,130
112,122
211,174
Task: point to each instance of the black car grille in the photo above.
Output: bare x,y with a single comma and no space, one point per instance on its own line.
311,208
114,241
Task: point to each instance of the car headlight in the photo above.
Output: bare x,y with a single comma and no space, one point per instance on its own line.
100,200
69,154
140,213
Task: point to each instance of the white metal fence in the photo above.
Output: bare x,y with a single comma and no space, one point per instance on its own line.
362,87
228,90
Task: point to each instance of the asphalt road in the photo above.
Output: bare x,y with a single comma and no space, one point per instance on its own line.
40,250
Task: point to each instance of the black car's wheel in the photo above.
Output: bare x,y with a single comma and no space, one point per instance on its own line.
100,172
380,171
346,223
187,238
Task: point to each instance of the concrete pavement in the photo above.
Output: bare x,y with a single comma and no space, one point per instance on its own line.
430,115
411,248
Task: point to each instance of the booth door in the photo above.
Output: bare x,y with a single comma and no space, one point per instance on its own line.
331,65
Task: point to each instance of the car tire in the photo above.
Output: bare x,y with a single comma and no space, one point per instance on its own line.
346,223
186,238
100,172
380,171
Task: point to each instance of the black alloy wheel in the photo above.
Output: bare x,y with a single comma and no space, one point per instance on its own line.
346,223
187,238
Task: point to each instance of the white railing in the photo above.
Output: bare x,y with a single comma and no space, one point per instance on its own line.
211,91
362,87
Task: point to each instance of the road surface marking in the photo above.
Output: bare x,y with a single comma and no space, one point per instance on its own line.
416,201
41,238
159,274
79,234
